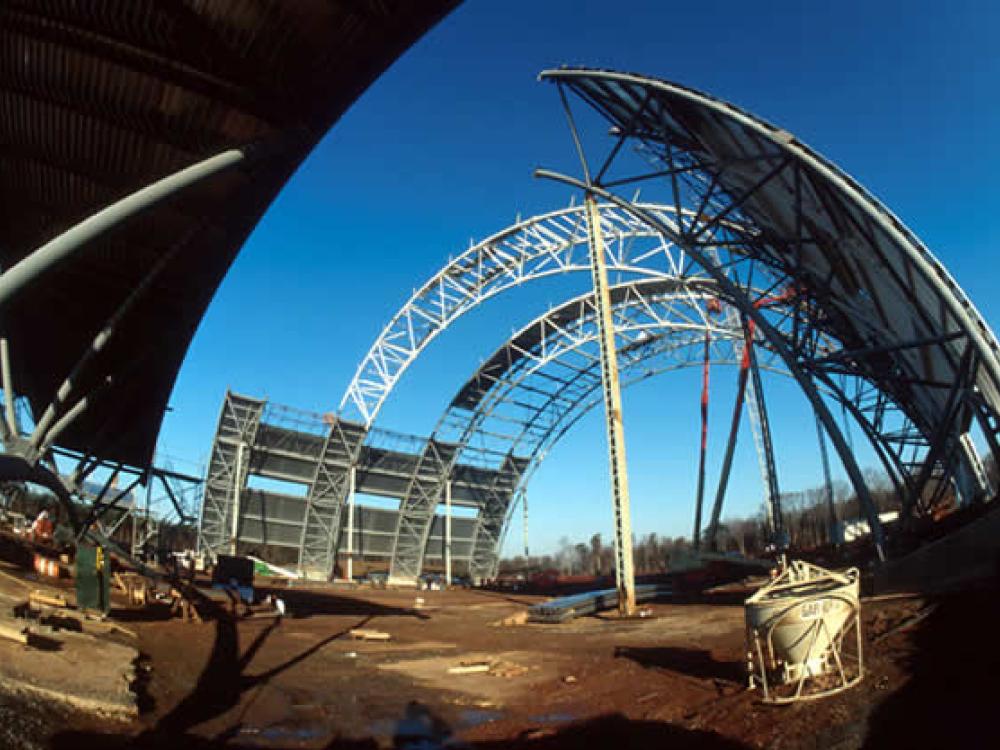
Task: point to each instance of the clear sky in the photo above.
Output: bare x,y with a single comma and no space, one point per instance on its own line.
902,95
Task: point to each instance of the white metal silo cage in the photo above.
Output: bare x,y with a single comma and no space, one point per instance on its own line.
804,633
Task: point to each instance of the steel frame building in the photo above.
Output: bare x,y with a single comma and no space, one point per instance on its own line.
533,249
499,428
512,411
187,121
838,291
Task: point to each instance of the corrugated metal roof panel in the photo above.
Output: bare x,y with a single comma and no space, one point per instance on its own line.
99,99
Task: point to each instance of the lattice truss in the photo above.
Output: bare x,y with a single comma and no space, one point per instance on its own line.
554,243
227,470
531,250
533,389
546,245
840,295
839,288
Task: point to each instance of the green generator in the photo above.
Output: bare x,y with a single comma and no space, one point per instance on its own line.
93,578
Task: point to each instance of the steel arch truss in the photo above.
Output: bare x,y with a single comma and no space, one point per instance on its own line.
545,245
913,361
227,471
526,396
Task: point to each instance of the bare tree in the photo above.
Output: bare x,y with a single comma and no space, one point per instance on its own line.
596,552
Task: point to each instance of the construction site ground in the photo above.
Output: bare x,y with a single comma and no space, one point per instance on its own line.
672,679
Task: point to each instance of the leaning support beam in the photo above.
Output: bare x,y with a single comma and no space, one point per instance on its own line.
773,337
828,483
771,474
955,403
43,436
700,497
613,413
54,252
99,510
184,517
734,431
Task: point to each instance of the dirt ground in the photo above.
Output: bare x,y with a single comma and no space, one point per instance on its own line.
674,679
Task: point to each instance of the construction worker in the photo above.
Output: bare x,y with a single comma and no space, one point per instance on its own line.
43,528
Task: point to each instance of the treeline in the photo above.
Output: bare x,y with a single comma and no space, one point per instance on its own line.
652,554
806,518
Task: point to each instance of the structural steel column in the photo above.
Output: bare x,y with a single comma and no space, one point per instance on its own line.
352,488
777,342
703,451
447,532
624,577
827,482
237,487
524,511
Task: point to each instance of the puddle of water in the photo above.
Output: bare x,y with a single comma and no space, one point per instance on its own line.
555,718
382,727
419,729
475,717
279,733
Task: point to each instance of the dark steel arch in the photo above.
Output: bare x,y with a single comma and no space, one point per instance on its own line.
904,328
142,143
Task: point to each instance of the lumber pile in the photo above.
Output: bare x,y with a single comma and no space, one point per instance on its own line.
136,588
38,599
184,605
518,618
492,667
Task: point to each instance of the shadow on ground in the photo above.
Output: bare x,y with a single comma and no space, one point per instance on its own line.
225,678
302,603
950,698
690,661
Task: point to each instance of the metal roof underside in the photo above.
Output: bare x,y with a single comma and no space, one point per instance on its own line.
99,100
881,287
504,359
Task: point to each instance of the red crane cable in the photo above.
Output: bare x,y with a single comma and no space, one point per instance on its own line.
704,440
749,328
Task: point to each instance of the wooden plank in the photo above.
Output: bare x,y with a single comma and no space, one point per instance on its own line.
17,633
38,597
365,634
470,668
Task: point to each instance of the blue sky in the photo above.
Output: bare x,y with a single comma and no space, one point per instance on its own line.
441,149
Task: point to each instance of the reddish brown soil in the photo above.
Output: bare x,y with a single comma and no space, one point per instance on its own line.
672,680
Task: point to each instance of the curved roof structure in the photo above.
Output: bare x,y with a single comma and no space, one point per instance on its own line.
906,331
98,101
541,246
525,397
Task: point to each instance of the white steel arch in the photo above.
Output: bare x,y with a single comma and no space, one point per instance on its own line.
544,245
